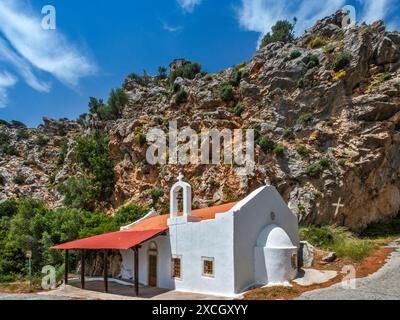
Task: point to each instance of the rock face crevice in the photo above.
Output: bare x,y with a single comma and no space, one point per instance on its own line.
350,118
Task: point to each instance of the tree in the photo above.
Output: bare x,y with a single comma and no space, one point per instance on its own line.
95,104
162,72
118,99
93,156
188,71
76,192
282,31
27,228
126,215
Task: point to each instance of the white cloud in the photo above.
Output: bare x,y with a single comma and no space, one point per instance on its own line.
22,67
6,80
375,10
170,28
30,49
261,15
188,5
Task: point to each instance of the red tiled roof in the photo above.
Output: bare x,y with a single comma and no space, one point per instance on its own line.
160,222
139,232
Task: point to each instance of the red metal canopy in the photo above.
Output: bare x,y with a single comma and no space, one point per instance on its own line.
113,240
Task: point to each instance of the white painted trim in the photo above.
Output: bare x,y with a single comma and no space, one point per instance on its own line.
151,214
93,279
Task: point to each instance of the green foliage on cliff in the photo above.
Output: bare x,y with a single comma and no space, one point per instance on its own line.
282,31
97,182
29,225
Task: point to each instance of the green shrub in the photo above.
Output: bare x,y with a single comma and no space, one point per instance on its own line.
187,71
236,77
257,132
176,87
181,96
117,101
302,208
141,139
41,141
325,162
18,124
295,54
162,72
4,138
4,123
356,250
279,150
213,183
94,104
318,42
300,83
22,134
386,76
237,110
287,133
312,61
342,162
282,31
324,237
302,150
8,149
314,170
226,92
341,61
156,194
266,144
317,168
82,119
19,179
63,152
105,114
305,119
135,78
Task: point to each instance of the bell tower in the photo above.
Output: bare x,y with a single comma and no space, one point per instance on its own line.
186,216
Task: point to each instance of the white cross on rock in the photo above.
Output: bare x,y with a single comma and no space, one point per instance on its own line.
338,205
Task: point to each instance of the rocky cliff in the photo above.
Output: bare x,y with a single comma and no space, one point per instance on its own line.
330,100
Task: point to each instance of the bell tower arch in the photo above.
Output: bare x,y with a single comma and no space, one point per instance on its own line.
186,216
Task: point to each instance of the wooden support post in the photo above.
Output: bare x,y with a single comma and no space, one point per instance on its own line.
83,269
136,267
66,268
105,262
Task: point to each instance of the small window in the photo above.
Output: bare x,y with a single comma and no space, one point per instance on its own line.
294,261
273,216
208,267
177,268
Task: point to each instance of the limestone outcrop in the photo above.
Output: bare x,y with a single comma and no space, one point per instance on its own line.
337,118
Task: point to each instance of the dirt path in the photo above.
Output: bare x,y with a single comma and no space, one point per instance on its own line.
382,285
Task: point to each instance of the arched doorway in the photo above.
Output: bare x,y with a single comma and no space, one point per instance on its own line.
153,253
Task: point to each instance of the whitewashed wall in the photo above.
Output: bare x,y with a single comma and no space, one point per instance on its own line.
251,216
211,239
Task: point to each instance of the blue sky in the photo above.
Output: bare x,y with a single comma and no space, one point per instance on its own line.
97,43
